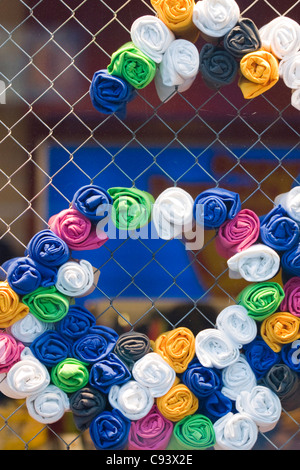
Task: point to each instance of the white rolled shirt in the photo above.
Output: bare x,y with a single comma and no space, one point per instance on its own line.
295,99
49,405
151,36
237,377
262,405
215,18
214,349
29,328
132,399
172,213
235,431
154,373
290,201
235,322
75,279
289,70
281,36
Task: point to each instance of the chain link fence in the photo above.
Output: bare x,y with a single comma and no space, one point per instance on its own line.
52,142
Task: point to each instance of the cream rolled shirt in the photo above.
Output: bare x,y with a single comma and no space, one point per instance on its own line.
154,373
214,349
48,405
215,18
132,399
235,322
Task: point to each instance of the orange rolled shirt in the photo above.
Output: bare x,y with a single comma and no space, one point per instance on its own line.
259,72
279,329
11,309
177,347
177,403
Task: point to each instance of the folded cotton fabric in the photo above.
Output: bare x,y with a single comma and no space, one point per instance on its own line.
48,406
192,433
47,304
237,234
107,372
235,322
50,348
290,355
11,308
131,346
291,301
176,347
235,431
70,375
153,432
289,68
132,65
281,36
280,328
260,357
216,405
215,18
132,399
259,72
295,98
150,34
242,39
92,201
202,381
214,206
76,323
109,430
76,278
290,263
77,231
237,377
131,207
261,299
215,349
178,69
285,383
178,17
172,213
48,249
10,351
110,94
290,201
95,345
29,328
177,403
257,263
86,404
153,372
278,230
217,66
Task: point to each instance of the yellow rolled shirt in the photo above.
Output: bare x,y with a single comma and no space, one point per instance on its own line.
279,329
259,72
177,348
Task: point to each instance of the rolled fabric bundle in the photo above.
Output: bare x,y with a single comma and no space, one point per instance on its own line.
290,201
280,328
76,230
48,249
131,346
49,405
216,405
10,351
217,66
202,381
132,399
153,432
95,345
261,299
235,322
235,431
109,430
215,349
278,230
132,65
85,404
107,372
150,34
289,68
70,375
29,328
215,18
178,17
47,304
153,372
194,432
285,382
237,234
258,263
50,348
172,213
11,309
259,72
177,403
26,377
93,202
290,263
24,275
110,94
178,69
281,36
176,347
290,355
214,206
76,323
76,279
262,405
295,99
260,357
131,207
242,39
291,301
237,377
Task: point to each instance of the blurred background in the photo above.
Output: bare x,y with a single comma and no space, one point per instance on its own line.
52,141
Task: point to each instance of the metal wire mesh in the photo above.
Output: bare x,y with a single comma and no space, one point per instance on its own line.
52,141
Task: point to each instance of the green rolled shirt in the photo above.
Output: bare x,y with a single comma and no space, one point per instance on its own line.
193,432
70,375
131,64
131,209
261,299
47,304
